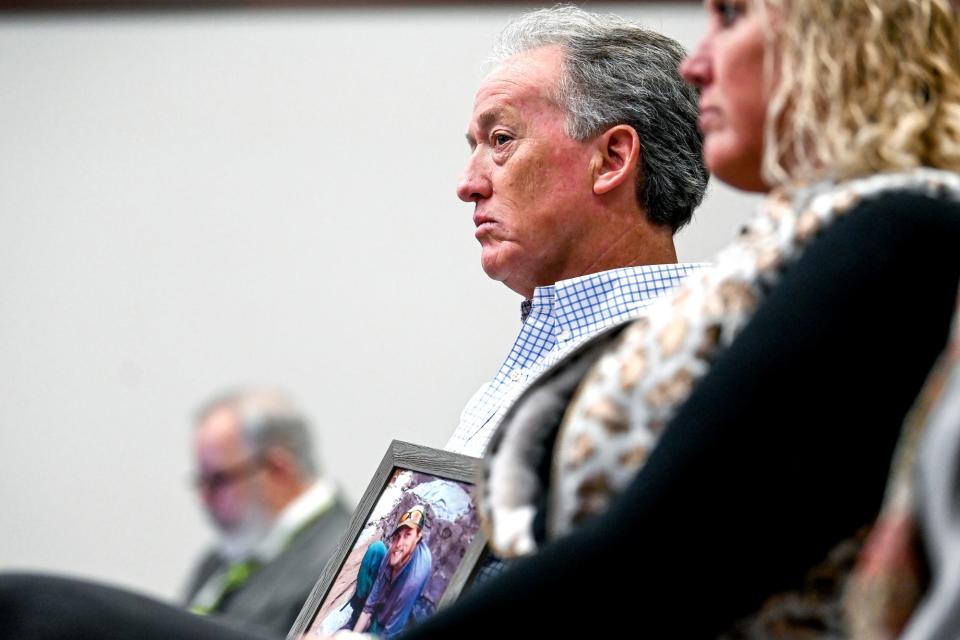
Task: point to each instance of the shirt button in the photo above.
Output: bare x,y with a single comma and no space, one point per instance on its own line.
516,374
564,335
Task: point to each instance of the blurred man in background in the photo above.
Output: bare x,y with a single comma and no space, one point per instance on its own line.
278,520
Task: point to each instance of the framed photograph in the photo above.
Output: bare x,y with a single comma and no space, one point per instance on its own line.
413,543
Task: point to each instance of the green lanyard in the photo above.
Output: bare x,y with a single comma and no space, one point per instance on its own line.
236,576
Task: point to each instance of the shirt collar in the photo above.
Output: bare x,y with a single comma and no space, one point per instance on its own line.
580,304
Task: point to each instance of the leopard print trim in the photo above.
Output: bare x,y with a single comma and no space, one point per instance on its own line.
634,389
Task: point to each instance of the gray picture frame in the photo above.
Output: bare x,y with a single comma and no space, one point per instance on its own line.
406,456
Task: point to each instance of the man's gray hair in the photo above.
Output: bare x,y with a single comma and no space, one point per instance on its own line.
616,72
268,418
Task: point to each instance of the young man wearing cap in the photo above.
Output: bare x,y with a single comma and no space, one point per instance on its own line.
403,574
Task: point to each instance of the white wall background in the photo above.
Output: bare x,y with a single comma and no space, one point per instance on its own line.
195,200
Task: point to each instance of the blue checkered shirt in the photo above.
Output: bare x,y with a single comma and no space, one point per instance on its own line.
557,320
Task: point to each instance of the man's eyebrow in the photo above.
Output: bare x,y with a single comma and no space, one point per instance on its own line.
487,118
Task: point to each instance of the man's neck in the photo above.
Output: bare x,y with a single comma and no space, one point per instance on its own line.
638,246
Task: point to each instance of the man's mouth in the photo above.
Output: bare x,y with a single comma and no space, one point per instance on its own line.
484,224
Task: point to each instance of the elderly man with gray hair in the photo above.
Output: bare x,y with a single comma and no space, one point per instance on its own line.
278,520
585,160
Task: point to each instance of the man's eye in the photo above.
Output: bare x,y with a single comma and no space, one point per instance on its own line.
500,139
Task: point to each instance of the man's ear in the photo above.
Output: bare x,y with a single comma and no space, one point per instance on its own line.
618,155
278,460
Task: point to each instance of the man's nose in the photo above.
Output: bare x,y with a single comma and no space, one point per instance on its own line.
474,182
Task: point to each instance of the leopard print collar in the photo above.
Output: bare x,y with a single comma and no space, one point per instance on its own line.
634,388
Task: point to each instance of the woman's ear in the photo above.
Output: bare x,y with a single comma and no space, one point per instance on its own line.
618,156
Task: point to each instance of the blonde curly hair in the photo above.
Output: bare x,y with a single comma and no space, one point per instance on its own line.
864,86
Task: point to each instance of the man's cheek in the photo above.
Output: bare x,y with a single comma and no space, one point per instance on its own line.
528,179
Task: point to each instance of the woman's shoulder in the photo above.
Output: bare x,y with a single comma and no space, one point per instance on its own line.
908,211
906,205
909,230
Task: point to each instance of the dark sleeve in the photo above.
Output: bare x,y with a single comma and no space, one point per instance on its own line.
781,451
36,607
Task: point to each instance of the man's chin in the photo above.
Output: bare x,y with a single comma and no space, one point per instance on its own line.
223,527
396,559
237,541
495,266
492,268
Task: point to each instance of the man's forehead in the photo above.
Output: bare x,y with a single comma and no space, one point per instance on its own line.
535,72
220,429
518,84
545,59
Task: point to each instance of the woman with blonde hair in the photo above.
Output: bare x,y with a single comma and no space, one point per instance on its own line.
724,456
